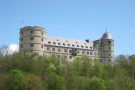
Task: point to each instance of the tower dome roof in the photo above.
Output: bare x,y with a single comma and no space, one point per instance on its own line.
106,35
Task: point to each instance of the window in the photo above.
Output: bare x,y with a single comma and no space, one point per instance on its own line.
53,49
109,48
101,60
70,57
90,47
77,45
21,46
82,52
90,53
109,54
58,56
54,43
32,32
31,38
59,43
99,49
42,39
86,46
87,53
82,46
77,52
48,48
41,46
59,50
95,53
109,60
42,33
21,39
31,45
49,42
100,54
73,45
21,33
68,44
65,50
64,44
70,51
65,57
109,42
101,44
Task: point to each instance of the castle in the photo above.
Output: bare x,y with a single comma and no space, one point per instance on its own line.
34,39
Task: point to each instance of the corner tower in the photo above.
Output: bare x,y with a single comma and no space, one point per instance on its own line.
108,48
32,39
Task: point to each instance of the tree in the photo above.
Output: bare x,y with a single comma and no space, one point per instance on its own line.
16,80
97,84
3,51
33,82
55,82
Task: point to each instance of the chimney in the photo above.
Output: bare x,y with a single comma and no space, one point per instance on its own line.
87,40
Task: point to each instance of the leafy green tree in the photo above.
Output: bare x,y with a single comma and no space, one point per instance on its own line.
97,84
16,80
110,84
4,81
55,82
97,69
82,65
33,82
132,65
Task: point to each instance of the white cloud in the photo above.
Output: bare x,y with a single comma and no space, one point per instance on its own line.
13,48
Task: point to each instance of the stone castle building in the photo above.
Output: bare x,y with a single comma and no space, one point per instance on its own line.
34,39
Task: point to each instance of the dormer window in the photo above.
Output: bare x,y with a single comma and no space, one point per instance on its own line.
73,45
68,44
59,43
64,44
77,45
82,46
90,47
49,42
54,43
86,46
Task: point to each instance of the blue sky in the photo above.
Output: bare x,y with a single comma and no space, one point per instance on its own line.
77,19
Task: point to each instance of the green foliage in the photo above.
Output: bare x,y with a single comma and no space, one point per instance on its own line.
33,82
82,65
97,84
16,80
55,82
52,73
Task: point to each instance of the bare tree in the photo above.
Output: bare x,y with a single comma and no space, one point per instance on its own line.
3,51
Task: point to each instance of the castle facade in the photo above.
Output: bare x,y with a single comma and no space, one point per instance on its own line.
34,39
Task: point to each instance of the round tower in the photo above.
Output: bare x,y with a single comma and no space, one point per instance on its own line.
32,39
108,48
